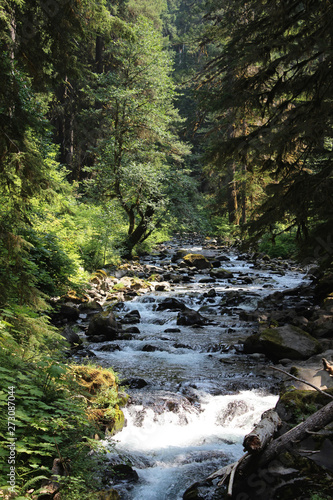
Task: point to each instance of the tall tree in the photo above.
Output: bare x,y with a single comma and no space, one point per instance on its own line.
274,69
134,105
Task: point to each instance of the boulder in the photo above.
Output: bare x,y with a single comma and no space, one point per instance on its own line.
69,311
197,260
71,336
286,341
103,324
172,304
131,318
189,317
221,273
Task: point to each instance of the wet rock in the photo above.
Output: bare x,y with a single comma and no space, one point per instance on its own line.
86,353
123,472
172,330
172,304
131,318
287,341
197,260
109,348
103,324
200,491
181,346
221,273
134,383
71,336
207,280
179,255
190,317
132,329
150,348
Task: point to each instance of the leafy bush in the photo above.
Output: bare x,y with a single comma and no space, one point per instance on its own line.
53,411
284,245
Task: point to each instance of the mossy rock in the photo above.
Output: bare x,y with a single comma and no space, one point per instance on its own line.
296,405
108,495
197,260
286,341
94,378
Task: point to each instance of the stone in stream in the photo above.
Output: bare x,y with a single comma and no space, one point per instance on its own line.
134,383
189,317
197,260
172,304
103,324
71,336
131,318
221,273
286,341
109,348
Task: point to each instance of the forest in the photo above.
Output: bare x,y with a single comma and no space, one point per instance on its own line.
122,124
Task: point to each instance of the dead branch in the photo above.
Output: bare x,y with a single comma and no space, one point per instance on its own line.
302,381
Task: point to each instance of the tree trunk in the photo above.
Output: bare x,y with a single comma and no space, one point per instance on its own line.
99,54
263,432
232,198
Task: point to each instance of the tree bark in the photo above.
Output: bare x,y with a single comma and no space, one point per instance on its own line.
314,423
263,432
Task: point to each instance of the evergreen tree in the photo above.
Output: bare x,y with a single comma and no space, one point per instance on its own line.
272,83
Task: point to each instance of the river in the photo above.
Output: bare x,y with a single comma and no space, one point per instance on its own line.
202,394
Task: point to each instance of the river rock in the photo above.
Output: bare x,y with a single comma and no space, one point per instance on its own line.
286,341
131,318
197,260
189,317
172,304
123,472
69,311
103,324
134,383
71,336
221,273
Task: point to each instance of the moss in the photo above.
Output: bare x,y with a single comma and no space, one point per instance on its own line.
302,403
94,378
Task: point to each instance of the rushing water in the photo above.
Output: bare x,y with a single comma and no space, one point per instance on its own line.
202,394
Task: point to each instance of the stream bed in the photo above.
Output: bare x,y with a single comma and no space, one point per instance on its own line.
193,393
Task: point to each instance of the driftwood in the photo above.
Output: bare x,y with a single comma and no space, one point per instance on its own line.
327,366
263,432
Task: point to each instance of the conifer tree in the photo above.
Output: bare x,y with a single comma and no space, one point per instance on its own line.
273,71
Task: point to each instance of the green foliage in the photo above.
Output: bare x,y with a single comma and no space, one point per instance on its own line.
269,96
51,410
135,110
284,245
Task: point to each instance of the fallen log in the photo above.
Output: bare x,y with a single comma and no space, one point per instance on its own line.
314,423
263,432
251,461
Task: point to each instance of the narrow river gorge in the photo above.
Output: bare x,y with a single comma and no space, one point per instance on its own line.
193,393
